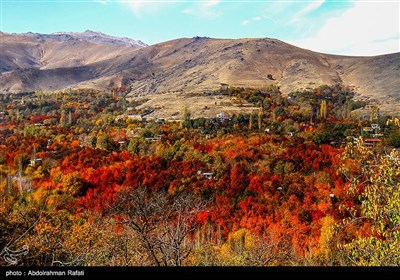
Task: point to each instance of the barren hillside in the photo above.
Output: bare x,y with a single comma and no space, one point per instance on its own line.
33,61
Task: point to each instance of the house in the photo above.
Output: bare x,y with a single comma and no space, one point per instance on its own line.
135,117
224,87
147,111
375,126
224,103
208,175
160,120
152,139
371,142
222,117
35,161
352,139
376,135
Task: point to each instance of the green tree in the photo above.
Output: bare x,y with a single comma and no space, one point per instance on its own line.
260,116
186,118
103,141
251,122
380,207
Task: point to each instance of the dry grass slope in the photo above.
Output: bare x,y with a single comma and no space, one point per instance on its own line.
192,65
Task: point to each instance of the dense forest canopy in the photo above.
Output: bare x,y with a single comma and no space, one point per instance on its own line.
304,180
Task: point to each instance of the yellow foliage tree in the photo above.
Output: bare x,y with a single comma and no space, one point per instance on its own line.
380,207
326,237
260,116
243,248
322,110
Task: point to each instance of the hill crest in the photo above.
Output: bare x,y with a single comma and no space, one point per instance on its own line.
198,64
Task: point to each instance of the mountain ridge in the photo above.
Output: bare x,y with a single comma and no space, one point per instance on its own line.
197,64
88,36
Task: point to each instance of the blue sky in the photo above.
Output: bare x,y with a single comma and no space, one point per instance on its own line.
338,27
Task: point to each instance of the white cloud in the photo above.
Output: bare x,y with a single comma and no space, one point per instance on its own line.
306,10
204,9
367,28
146,6
198,8
287,13
248,21
277,8
104,2
310,7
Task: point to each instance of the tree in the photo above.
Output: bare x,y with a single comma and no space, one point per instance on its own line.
251,122
393,121
260,116
162,223
63,120
246,249
69,118
374,112
322,110
394,138
186,121
103,141
326,242
378,178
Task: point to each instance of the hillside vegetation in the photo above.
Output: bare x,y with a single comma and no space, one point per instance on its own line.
297,181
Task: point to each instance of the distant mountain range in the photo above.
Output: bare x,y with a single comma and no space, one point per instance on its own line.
32,61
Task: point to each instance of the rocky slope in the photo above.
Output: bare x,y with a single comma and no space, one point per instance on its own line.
56,61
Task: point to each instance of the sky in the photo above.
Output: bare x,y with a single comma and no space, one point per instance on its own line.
345,27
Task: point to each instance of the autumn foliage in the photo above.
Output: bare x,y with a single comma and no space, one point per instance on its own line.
224,193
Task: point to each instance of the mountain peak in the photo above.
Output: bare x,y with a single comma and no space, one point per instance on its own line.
93,32
87,36
102,38
34,61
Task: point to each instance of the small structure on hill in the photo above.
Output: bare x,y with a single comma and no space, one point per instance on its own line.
224,87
